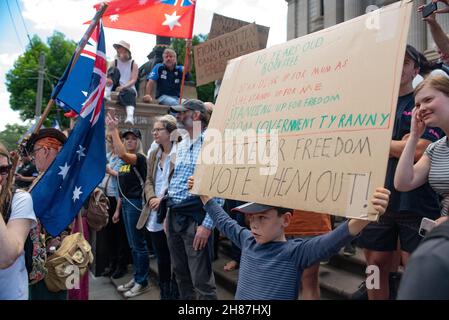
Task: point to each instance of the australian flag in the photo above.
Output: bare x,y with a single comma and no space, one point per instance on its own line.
80,165
72,89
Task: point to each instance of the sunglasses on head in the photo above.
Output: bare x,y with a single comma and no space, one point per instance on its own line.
4,170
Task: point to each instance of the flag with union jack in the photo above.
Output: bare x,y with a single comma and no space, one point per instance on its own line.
80,165
168,18
71,90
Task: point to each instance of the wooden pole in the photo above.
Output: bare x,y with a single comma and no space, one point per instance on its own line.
78,51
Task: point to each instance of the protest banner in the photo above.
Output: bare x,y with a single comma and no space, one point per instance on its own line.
307,124
212,56
222,24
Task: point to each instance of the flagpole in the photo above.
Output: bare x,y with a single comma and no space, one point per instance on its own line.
78,51
186,60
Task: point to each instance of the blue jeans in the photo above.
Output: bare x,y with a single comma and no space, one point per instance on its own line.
168,100
136,239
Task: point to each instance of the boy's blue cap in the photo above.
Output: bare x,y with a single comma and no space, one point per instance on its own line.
252,208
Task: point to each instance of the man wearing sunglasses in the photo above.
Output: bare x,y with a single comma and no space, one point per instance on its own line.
43,147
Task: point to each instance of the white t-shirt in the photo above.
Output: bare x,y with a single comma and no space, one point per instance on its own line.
125,72
14,279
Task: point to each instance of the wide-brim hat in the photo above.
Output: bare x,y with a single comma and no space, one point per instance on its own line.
122,44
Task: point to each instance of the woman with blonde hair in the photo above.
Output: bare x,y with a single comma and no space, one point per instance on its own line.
16,219
131,178
431,110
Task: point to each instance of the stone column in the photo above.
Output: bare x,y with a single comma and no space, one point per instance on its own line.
353,8
291,21
302,18
315,17
333,12
417,35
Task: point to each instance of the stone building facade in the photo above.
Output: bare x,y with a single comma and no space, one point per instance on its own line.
307,16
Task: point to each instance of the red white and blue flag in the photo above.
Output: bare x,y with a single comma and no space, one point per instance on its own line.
168,18
80,165
71,90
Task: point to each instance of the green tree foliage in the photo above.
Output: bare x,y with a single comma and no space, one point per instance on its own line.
205,92
21,80
11,135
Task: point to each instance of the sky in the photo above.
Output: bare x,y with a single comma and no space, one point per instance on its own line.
43,17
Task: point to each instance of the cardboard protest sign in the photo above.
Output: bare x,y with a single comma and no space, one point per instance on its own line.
307,124
222,24
212,56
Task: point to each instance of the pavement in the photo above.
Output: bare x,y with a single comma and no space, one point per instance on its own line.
104,288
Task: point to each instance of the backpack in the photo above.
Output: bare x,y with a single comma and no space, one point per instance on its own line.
97,210
114,75
74,252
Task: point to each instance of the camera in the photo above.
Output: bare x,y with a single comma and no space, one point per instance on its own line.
426,226
428,9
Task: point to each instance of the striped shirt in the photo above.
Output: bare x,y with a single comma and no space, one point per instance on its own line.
272,271
438,153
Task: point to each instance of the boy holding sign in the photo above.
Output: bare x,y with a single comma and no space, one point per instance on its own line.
271,266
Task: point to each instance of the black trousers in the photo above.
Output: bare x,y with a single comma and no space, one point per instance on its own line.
117,247
160,247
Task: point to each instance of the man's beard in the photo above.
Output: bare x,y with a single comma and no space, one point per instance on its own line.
180,125
185,124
